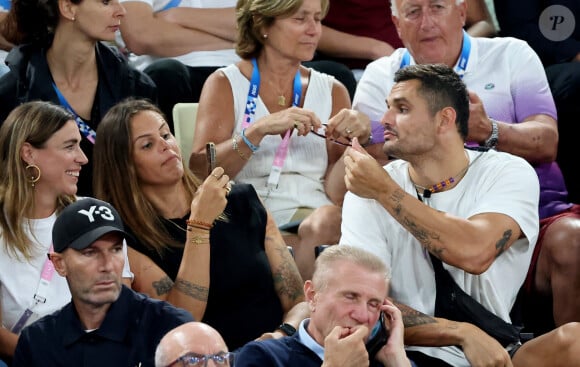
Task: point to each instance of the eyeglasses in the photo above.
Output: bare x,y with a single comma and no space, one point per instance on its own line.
322,133
201,360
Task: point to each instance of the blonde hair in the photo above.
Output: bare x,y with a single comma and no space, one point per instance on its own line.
33,123
254,15
115,176
323,267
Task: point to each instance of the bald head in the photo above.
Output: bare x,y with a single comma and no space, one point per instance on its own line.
195,337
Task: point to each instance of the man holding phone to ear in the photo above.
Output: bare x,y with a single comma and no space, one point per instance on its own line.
347,296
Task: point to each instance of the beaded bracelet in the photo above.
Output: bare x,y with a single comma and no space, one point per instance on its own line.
253,148
198,224
237,149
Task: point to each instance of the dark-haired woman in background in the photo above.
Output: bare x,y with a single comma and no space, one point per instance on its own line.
61,59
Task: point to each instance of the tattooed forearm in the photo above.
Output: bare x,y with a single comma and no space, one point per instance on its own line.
162,286
412,317
286,277
421,234
192,290
501,245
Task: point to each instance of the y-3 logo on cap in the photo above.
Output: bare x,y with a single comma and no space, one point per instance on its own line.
103,211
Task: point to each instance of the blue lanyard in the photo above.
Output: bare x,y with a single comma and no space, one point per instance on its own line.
282,151
85,129
254,90
463,59
170,4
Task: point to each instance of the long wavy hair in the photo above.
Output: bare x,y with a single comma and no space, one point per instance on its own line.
115,176
33,123
254,15
33,21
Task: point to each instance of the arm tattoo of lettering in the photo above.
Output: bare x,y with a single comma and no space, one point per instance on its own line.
500,246
424,236
192,290
162,286
286,280
412,317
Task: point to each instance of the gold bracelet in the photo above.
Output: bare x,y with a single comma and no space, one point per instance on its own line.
198,240
198,224
237,149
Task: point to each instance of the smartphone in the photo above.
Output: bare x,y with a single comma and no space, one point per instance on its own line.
378,337
211,157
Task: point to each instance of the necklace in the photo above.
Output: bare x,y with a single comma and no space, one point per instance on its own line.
176,225
427,191
281,101
281,98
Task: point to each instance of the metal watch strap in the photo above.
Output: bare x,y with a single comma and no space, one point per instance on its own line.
491,142
287,329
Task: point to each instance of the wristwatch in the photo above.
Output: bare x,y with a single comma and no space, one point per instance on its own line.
491,142
287,329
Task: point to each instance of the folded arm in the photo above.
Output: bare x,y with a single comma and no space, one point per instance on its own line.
146,32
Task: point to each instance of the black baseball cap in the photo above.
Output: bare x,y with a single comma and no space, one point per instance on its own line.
83,222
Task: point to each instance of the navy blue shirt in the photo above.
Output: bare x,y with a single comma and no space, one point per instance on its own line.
128,336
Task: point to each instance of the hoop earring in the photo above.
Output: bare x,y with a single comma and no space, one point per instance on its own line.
32,178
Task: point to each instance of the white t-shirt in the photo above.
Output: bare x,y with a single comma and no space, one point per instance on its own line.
497,182
194,58
301,182
19,278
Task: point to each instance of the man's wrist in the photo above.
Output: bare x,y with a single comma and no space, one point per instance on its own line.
491,141
287,329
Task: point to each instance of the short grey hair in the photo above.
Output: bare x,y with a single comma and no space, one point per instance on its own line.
395,11
324,269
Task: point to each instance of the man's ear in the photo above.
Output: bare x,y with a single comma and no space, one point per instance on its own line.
447,118
396,23
58,262
310,294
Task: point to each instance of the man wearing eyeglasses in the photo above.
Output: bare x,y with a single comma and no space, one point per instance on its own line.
193,344
106,323
511,110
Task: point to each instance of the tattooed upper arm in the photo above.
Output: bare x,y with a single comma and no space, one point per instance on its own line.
501,245
162,286
287,280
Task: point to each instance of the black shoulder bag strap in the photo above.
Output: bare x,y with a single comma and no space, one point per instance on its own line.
453,303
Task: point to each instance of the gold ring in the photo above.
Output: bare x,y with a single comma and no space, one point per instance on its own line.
228,189
216,176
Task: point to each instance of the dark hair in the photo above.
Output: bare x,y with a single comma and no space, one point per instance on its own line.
115,176
441,87
33,21
253,15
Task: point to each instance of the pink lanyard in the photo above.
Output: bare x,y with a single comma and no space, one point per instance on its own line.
39,296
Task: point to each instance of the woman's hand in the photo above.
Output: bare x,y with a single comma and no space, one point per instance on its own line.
297,118
350,124
209,201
